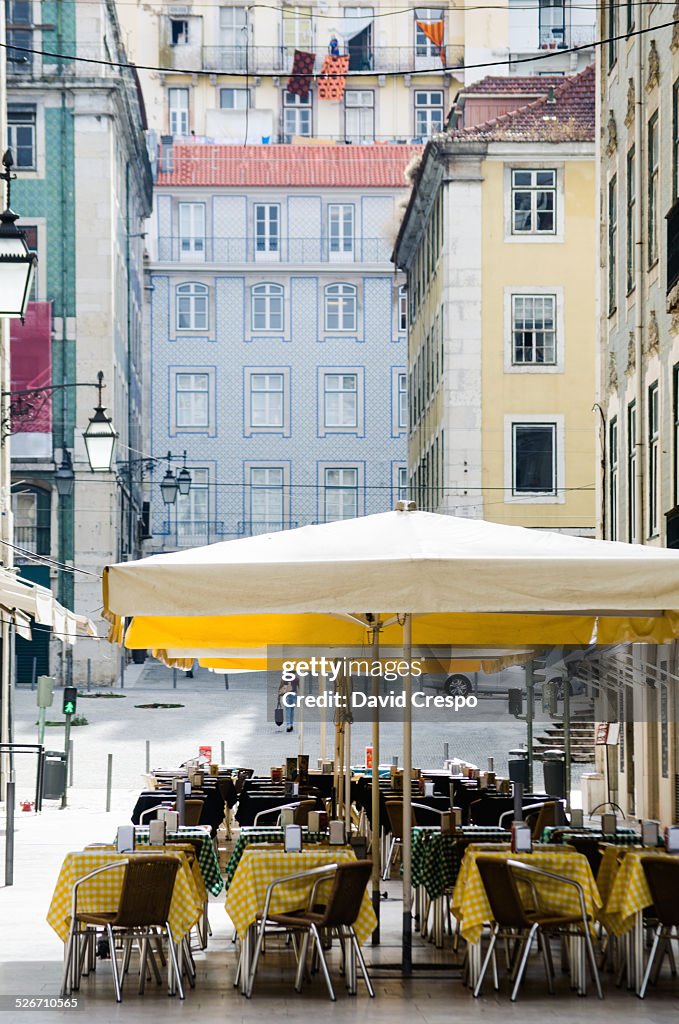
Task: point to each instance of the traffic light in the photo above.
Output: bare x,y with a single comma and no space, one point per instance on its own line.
70,700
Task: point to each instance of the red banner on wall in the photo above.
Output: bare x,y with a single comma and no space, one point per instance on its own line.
31,367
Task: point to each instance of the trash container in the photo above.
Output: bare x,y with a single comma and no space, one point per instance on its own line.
54,777
554,773
518,767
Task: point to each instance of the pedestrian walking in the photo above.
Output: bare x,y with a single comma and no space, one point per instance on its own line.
289,684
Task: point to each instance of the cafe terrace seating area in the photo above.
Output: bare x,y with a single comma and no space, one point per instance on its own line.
515,895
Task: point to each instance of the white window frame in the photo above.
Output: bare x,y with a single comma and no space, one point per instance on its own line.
340,401
195,529
250,427
240,95
198,296
191,230
534,290
341,232
430,108
424,47
361,133
294,107
266,480
178,116
297,29
271,293
26,115
267,231
210,430
234,38
356,429
402,309
343,486
200,388
347,315
530,238
519,419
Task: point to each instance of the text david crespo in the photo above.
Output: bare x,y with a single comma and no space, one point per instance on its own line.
357,700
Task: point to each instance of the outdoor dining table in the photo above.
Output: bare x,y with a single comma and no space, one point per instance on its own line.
212,813
253,801
260,865
102,894
207,858
262,834
623,881
470,905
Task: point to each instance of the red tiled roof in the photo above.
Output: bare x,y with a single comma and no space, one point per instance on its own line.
334,166
570,118
514,85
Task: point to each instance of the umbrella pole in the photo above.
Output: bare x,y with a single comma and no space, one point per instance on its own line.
324,713
375,790
567,740
407,940
347,780
530,713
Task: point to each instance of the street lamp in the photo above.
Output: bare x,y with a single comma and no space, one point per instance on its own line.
184,479
64,477
17,262
169,486
100,437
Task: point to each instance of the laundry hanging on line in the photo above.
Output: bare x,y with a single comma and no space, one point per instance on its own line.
299,82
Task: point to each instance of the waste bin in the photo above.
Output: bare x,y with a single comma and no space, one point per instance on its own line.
554,773
54,777
518,767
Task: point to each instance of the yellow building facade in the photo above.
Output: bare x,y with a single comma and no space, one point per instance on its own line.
498,243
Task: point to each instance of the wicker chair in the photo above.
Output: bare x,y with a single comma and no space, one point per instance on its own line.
338,915
143,909
662,876
193,810
511,919
302,811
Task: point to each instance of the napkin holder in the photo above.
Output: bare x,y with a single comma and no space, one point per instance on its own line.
522,839
196,779
609,824
672,839
291,768
157,832
287,817
328,768
318,821
428,788
650,832
396,779
125,839
171,819
577,818
293,838
303,767
214,771
336,834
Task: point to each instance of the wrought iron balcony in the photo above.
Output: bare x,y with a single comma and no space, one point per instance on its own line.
230,251
255,527
278,59
30,540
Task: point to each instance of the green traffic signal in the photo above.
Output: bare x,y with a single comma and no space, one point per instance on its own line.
69,707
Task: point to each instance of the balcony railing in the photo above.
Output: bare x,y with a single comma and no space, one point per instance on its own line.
32,540
288,250
255,527
278,59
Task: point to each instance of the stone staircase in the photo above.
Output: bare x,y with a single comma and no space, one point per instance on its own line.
582,741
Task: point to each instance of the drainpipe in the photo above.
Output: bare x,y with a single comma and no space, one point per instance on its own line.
639,281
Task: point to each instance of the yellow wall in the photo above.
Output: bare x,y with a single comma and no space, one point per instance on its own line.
571,265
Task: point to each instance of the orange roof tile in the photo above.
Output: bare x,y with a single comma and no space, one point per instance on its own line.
381,165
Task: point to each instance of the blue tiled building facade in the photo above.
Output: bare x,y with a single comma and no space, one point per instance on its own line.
278,351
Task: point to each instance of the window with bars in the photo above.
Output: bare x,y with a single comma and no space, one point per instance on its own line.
192,306
267,307
533,330
533,202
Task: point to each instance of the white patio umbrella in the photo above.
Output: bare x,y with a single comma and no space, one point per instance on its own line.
438,579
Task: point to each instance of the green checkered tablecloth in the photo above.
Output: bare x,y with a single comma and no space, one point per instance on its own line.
560,835
436,858
207,858
260,834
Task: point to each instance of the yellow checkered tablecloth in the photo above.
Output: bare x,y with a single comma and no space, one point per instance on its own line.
628,892
177,847
260,865
102,893
470,903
